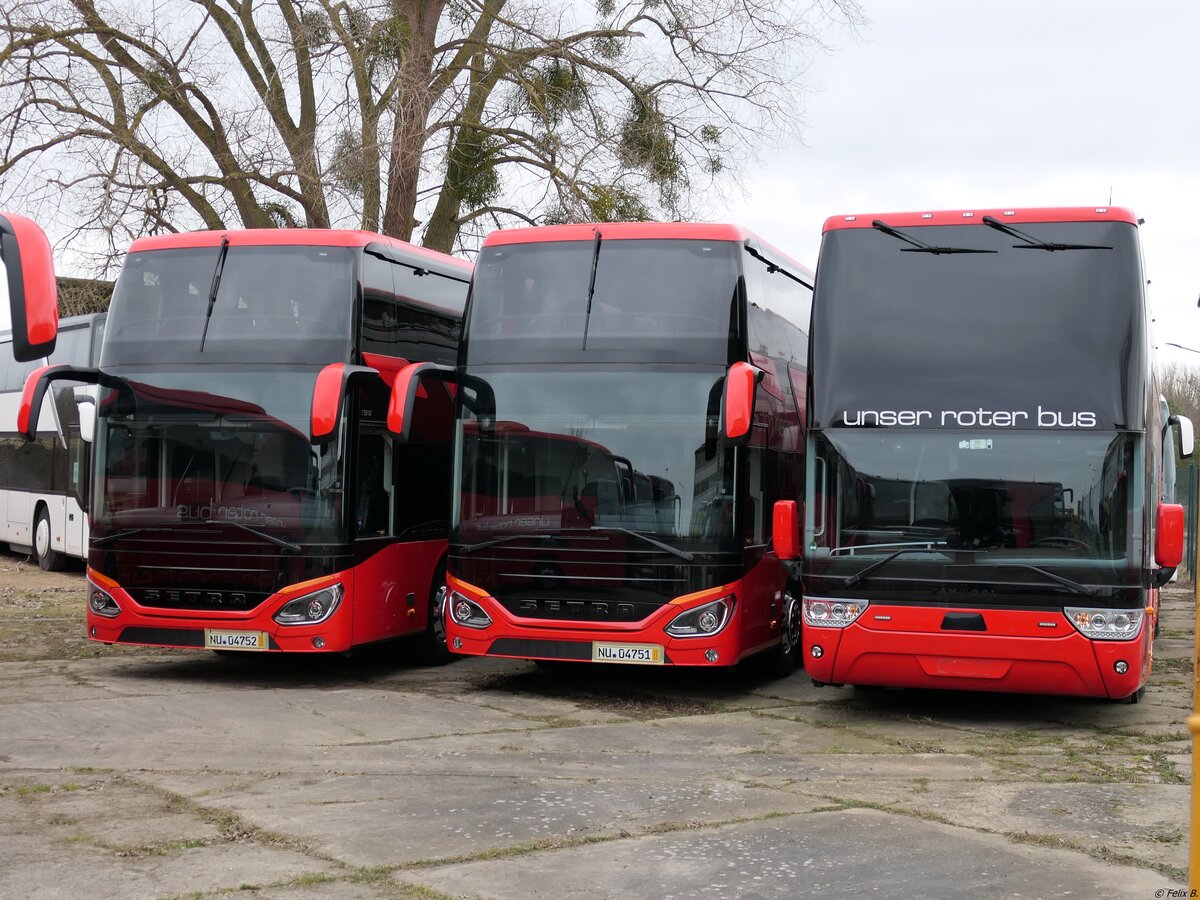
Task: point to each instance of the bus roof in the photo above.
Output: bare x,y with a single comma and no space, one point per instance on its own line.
644,231
975,216
282,237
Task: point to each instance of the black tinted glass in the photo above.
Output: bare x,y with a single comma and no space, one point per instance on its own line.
675,297
1018,330
274,304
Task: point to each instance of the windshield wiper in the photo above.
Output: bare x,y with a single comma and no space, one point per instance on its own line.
852,580
682,554
115,536
920,246
471,548
1032,243
266,536
1053,576
212,290
587,316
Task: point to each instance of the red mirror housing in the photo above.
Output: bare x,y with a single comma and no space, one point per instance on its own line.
785,529
32,290
405,389
1168,535
329,393
737,407
36,384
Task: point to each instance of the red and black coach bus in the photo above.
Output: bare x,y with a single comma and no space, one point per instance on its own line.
630,406
247,494
985,446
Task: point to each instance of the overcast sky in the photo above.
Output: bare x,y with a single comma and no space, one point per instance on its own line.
961,104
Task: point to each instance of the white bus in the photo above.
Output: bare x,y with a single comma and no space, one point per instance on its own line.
44,483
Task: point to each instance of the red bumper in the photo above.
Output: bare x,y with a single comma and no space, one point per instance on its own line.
1030,652
518,638
156,627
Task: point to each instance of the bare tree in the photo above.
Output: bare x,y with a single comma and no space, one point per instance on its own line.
131,118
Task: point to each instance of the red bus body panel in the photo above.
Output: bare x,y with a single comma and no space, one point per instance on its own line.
1022,651
737,640
399,573
975,216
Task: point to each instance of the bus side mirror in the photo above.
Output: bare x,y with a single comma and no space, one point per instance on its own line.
405,388
329,393
85,401
34,392
785,529
28,279
737,401
1168,535
1187,438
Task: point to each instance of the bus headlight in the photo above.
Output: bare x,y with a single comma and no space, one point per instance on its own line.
311,609
467,612
101,602
1106,624
822,613
703,621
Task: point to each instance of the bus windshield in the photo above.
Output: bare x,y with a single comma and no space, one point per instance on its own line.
185,449
1069,502
671,295
1044,338
273,304
595,451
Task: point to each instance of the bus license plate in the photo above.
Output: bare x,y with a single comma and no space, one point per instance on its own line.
215,639
632,654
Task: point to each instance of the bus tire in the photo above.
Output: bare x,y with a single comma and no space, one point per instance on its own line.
432,649
43,543
781,660
1135,697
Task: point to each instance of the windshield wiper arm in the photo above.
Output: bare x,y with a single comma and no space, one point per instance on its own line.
212,290
1053,576
1032,243
266,536
682,554
852,580
587,316
115,536
471,548
920,246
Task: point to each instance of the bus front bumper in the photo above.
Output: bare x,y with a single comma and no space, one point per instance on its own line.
232,630
639,643
1065,662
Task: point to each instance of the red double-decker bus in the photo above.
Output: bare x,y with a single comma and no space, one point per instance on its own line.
247,494
984,492
630,402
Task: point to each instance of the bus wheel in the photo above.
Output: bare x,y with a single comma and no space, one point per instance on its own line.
781,660
432,648
43,543
1136,696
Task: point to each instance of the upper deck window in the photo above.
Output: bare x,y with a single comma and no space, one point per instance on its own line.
288,304
648,295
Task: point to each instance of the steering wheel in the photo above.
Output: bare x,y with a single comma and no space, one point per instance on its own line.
1057,540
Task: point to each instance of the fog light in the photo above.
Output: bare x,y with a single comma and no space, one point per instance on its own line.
319,642
712,655
93,631
1121,667
817,652
458,643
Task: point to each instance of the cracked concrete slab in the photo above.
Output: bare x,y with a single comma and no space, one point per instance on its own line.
817,855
